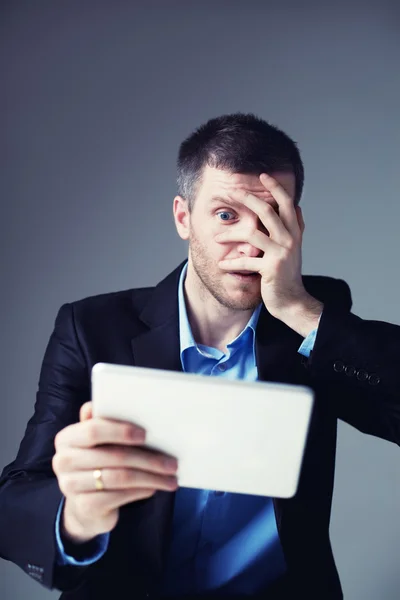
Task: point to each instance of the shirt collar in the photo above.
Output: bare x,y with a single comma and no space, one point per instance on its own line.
185,331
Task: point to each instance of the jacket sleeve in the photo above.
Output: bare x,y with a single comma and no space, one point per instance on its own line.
29,491
355,365
91,552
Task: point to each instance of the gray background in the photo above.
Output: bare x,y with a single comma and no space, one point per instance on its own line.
96,98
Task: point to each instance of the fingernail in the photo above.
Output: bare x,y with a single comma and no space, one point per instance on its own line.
138,434
171,464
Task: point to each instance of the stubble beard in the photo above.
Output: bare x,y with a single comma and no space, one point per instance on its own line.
210,283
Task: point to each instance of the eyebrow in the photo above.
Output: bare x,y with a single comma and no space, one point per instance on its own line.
220,199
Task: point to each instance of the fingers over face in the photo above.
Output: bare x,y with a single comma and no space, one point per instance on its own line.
268,215
287,211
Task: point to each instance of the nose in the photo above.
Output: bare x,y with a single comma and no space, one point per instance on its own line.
249,250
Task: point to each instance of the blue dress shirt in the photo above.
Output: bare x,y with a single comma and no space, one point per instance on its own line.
222,542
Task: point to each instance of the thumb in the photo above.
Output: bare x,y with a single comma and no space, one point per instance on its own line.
85,412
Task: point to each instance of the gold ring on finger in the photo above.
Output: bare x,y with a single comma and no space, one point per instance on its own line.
98,479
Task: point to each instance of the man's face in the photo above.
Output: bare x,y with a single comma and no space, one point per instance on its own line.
212,213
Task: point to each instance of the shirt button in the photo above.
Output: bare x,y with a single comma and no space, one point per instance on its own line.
222,367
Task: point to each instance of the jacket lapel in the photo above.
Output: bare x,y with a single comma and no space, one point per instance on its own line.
158,347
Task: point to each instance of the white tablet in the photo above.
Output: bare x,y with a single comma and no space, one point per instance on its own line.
232,436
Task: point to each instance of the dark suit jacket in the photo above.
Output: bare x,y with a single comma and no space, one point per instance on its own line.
353,371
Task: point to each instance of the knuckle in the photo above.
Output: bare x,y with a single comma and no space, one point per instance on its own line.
58,440
62,461
152,461
55,461
92,432
280,261
257,235
266,211
61,484
126,432
160,480
119,456
284,254
291,244
65,461
66,484
122,477
158,462
137,478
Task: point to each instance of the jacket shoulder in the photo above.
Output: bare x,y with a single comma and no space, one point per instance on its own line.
329,290
124,302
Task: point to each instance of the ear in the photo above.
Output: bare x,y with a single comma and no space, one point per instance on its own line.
181,217
300,219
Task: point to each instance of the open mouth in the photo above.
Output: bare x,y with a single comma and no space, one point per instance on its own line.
245,274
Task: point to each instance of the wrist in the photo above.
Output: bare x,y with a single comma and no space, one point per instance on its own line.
71,530
302,316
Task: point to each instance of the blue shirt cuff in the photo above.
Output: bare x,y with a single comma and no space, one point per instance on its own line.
308,343
98,546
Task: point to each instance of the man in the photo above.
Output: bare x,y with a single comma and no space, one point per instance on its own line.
85,508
